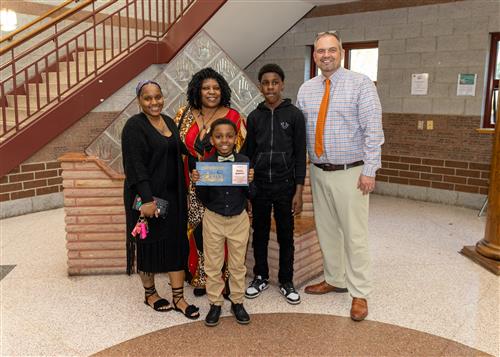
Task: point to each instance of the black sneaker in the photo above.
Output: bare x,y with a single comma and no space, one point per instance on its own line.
257,285
240,313
291,295
213,315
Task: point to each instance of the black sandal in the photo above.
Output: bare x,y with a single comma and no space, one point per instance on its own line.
161,305
191,312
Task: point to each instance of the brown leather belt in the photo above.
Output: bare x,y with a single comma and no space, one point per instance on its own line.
332,167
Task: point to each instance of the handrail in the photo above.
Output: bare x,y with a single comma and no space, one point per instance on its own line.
31,83
46,26
55,78
11,35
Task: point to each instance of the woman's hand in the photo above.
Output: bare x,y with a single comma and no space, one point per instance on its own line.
195,176
250,175
149,209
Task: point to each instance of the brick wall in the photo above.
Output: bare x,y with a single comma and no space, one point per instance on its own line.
40,175
29,180
450,175
453,156
95,216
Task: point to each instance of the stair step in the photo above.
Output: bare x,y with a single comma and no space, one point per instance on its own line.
99,54
71,66
22,101
42,88
11,116
63,77
307,207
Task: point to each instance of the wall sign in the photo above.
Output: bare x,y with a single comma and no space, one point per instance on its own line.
419,83
466,84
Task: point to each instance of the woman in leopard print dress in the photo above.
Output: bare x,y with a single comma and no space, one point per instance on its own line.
209,98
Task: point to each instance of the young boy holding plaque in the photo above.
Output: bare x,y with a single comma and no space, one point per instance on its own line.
276,146
225,219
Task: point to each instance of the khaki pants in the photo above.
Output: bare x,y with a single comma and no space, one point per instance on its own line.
341,217
235,231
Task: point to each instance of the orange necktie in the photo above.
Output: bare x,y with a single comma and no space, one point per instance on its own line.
320,123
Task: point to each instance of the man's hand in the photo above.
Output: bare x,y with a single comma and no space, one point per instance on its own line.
297,200
366,184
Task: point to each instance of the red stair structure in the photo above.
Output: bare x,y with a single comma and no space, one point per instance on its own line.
57,72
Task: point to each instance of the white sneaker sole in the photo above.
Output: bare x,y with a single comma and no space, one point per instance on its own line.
256,295
291,302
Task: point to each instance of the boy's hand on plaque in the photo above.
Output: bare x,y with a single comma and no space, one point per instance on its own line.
250,175
195,176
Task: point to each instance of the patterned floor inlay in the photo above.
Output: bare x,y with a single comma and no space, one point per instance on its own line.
290,334
5,269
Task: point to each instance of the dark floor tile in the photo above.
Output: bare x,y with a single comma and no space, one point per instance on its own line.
5,269
288,334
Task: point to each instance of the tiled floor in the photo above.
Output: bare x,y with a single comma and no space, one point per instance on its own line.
421,283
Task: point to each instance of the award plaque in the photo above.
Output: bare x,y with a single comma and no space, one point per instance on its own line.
222,173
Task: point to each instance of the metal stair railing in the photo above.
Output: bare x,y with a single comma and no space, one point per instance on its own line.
45,65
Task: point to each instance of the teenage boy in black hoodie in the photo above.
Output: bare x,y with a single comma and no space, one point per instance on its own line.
276,146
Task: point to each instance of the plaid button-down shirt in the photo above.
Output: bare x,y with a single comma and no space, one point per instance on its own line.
353,129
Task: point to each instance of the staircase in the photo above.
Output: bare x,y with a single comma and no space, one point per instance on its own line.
55,74
33,98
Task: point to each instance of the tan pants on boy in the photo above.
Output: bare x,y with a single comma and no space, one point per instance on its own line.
217,230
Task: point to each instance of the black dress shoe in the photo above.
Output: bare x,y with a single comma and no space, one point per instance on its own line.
213,315
199,291
240,313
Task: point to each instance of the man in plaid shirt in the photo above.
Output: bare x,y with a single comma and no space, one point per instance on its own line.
344,137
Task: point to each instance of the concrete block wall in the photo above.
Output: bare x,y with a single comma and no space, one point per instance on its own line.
443,40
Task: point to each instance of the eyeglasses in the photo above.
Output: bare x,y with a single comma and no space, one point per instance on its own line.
141,84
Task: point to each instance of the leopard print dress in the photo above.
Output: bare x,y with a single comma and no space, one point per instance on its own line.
189,133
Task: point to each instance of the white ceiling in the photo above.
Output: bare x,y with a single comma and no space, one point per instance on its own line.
245,28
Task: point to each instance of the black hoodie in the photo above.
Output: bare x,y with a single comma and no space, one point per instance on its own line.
276,143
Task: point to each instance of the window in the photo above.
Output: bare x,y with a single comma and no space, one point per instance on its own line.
359,57
491,96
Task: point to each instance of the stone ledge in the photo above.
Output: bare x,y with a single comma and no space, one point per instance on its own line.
30,205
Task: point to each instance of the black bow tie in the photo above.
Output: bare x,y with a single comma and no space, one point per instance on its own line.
225,158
